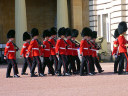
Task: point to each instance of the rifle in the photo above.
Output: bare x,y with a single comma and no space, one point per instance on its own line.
17,48
75,42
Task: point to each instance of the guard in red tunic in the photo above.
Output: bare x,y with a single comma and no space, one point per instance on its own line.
116,51
94,53
46,52
35,49
61,46
52,40
84,53
92,68
75,46
27,61
10,54
69,54
122,28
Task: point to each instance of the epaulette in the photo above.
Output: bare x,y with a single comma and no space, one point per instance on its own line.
8,41
50,38
59,38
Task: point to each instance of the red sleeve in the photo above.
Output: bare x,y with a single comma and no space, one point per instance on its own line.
6,49
115,47
57,46
81,47
23,49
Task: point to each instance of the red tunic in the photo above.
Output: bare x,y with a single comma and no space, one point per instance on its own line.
90,47
122,41
34,48
61,47
53,52
84,48
10,51
69,49
74,49
25,49
46,51
115,47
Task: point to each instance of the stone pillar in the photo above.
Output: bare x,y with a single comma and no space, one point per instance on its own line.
62,14
20,22
77,16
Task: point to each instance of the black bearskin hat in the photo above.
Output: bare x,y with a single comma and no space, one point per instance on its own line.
68,32
86,32
122,27
61,31
53,31
11,34
75,32
26,36
116,34
94,34
46,33
34,32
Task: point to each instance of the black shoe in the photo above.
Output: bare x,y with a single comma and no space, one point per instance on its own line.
66,74
91,74
59,74
33,75
9,76
74,73
115,72
16,76
35,72
101,71
24,73
83,75
41,75
123,73
56,72
94,73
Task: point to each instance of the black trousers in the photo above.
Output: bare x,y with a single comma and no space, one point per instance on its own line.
77,59
121,62
36,61
46,61
97,64
85,65
71,63
12,63
91,60
54,60
27,61
62,61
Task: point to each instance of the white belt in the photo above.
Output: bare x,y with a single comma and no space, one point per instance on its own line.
93,50
26,50
74,49
85,48
62,48
47,49
11,51
54,47
35,48
70,48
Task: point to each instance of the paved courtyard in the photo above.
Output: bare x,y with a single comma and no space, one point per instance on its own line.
105,84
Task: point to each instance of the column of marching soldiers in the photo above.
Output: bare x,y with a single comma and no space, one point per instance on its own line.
63,52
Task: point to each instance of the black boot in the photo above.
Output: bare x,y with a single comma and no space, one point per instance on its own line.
16,76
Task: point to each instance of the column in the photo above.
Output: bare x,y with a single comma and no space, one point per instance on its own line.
62,14
20,22
77,16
